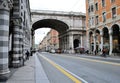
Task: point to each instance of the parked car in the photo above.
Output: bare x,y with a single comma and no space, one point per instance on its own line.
52,51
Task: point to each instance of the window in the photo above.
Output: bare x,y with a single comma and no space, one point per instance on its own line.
89,9
89,22
97,21
21,7
92,8
96,6
114,12
92,20
21,14
104,16
103,3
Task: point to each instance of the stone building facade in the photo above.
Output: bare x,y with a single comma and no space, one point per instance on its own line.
103,25
15,33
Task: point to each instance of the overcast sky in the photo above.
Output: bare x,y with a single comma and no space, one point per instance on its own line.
55,5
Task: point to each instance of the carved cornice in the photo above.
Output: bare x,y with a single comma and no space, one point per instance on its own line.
6,4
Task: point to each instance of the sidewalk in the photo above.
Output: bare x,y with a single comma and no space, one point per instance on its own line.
24,74
32,72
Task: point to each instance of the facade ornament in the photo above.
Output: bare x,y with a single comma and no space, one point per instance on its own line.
6,4
17,21
10,4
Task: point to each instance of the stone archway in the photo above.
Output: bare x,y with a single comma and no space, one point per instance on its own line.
91,42
97,38
106,44
105,36
58,25
76,43
55,24
116,38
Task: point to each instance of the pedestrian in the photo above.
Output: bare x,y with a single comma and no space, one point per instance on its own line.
87,51
104,52
95,52
27,54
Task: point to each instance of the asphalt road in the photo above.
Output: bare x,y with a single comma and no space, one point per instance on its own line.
62,68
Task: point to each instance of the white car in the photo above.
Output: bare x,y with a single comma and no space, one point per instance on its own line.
52,51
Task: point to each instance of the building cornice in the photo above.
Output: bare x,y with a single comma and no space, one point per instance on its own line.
61,13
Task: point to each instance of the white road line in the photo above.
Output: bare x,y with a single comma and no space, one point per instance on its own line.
73,74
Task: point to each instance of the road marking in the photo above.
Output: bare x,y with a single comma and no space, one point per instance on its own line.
98,61
66,72
39,76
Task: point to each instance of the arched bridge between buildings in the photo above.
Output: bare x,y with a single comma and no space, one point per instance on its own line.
70,25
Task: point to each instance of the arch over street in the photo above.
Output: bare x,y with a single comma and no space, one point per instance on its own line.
51,23
70,25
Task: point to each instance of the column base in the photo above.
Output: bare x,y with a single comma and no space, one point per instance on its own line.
19,63
16,64
71,51
4,75
110,53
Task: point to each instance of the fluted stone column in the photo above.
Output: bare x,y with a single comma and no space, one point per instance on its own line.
111,42
4,36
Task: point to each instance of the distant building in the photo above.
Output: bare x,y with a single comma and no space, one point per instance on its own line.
50,41
103,25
